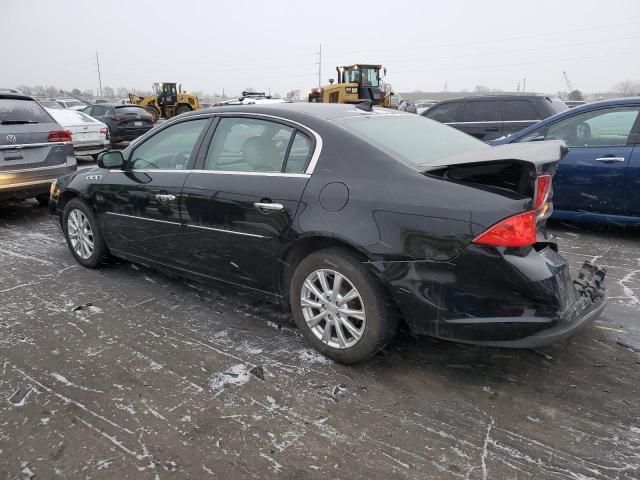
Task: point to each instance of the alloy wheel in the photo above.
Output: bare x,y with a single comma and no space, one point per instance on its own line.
333,308
80,234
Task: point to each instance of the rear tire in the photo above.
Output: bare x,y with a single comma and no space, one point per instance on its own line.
182,109
358,317
43,199
83,235
154,112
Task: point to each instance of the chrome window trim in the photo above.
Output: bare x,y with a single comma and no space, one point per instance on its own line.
492,121
219,172
318,138
143,218
26,184
32,145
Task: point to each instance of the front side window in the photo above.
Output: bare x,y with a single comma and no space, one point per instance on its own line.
481,111
446,113
605,127
99,111
169,149
249,145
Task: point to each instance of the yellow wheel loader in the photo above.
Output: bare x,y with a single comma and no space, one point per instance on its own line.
356,84
167,101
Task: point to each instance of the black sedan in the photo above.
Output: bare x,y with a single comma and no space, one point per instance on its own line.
125,122
356,217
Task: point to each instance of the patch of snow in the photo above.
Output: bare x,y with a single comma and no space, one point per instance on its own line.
235,375
311,356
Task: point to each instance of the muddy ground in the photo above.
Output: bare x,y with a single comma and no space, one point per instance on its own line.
125,373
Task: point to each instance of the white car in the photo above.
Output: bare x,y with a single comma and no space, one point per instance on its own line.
89,136
71,103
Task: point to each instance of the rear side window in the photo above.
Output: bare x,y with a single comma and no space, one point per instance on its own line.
298,154
131,110
513,110
446,113
22,110
99,111
481,111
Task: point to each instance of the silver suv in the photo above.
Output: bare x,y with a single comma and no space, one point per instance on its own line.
34,149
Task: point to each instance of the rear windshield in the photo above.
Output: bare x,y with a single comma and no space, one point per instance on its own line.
131,110
414,139
22,110
557,105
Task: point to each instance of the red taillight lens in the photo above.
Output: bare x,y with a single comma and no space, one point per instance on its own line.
104,130
543,189
117,118
59,136
516,231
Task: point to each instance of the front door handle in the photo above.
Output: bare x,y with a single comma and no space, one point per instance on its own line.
164,197
491,129
610,159
268,206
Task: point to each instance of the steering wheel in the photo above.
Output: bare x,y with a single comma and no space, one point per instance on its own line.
153,165
181,158
583,131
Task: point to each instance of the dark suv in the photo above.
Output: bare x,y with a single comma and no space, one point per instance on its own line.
34,149
125,122
493,116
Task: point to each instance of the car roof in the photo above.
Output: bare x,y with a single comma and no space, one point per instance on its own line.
325,111
498,96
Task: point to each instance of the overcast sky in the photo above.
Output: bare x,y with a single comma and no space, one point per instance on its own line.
214,45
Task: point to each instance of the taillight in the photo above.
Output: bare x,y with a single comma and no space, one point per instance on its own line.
104,130
117,118
59,136
543,191
515,231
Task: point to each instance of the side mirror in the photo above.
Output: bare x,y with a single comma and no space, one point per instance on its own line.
111,159
387,89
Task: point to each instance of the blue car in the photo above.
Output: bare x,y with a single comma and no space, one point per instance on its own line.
599,179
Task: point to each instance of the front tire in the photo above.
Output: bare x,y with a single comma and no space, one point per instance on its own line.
82,234
340,306
182,109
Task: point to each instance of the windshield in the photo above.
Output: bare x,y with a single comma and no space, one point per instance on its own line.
367,77
411,138
22,110
54,105
73,103
558,105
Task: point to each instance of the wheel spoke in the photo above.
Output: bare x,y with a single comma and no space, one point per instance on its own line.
352,330
323,281
357,314
313,321
351,295
326,334
313,289
310,303
341,339
337,282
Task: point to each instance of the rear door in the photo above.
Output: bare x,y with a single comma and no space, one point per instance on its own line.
141,204
25,144
481,119
518,114
593,176
241,202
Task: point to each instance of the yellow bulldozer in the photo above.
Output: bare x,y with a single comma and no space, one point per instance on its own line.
167,101
356,83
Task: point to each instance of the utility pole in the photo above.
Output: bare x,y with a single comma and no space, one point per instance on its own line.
99,77
445,85
524,84
319,63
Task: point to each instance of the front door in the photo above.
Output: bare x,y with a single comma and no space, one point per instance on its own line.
141,204
592,177
240,205
481,119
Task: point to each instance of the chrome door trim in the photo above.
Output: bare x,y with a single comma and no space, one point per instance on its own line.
26,184
32,145
36,169
222,230
218,172
492,121
143,218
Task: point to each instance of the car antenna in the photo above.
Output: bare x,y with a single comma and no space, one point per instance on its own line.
365,105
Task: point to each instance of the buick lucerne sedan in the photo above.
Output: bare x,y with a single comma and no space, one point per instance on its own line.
356,217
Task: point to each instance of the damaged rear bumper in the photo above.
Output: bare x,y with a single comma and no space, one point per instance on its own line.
518,298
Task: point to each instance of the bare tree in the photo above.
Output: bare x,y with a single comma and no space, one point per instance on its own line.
76,92
628,88
576,95
485,89
87,93
26,89
122,92
108,92
51,91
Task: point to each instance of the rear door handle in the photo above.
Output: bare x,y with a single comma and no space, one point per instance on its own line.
268,206
610,159
165,198
491,129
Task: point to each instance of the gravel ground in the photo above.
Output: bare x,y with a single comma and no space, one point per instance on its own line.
125,373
